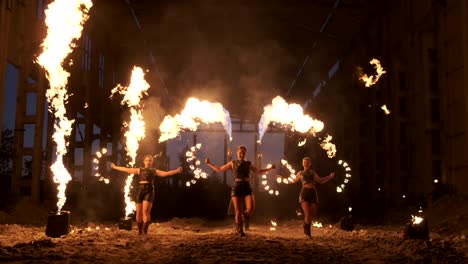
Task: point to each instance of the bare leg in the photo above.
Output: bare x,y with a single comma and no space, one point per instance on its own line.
250,204
139,217
238,207
250,208
313,211
146,215
306,208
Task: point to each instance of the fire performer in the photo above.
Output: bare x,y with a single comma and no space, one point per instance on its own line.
145,191
241,192
308,197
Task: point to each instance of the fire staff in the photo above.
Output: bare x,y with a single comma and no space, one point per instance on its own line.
145,191
241,192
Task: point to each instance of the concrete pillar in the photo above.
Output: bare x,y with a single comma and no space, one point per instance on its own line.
4,32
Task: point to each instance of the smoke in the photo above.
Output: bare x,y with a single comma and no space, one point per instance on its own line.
224,51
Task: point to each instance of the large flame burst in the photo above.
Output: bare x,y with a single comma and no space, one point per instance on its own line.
136,128
64,20
194,113
289,115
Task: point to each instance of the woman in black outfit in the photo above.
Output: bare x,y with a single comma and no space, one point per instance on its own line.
308,197
241,191
145,190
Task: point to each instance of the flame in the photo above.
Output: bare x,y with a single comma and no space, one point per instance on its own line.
274,225
64,20
192,115
292,175
96,161
371,80
291,115
317,224
416,219
191,157
302,142
385,109
328,146
136,128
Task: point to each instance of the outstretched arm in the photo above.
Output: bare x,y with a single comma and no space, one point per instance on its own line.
161,173
298,177
324,179
225,167
125,169
261,171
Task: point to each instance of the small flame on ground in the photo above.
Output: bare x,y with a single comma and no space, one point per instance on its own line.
289,115
317,224
385,109
194,113
64,20
371,80
274,225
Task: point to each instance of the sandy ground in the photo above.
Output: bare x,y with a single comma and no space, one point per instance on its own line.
198,241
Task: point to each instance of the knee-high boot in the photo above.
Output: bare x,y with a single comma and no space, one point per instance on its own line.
145,227
140,227
246,220
240,229
307,229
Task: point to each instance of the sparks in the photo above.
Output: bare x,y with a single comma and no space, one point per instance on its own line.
288,115
194,113
64,20
371,80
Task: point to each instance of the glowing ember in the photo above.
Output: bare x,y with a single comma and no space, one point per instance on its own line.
350,209
328,146
194,113
317,224
385,109
302,142
289,115
136,128
371,80
436,181
64,20
416,219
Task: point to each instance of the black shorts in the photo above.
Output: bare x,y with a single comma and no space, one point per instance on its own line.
145,192
308,195
241,189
